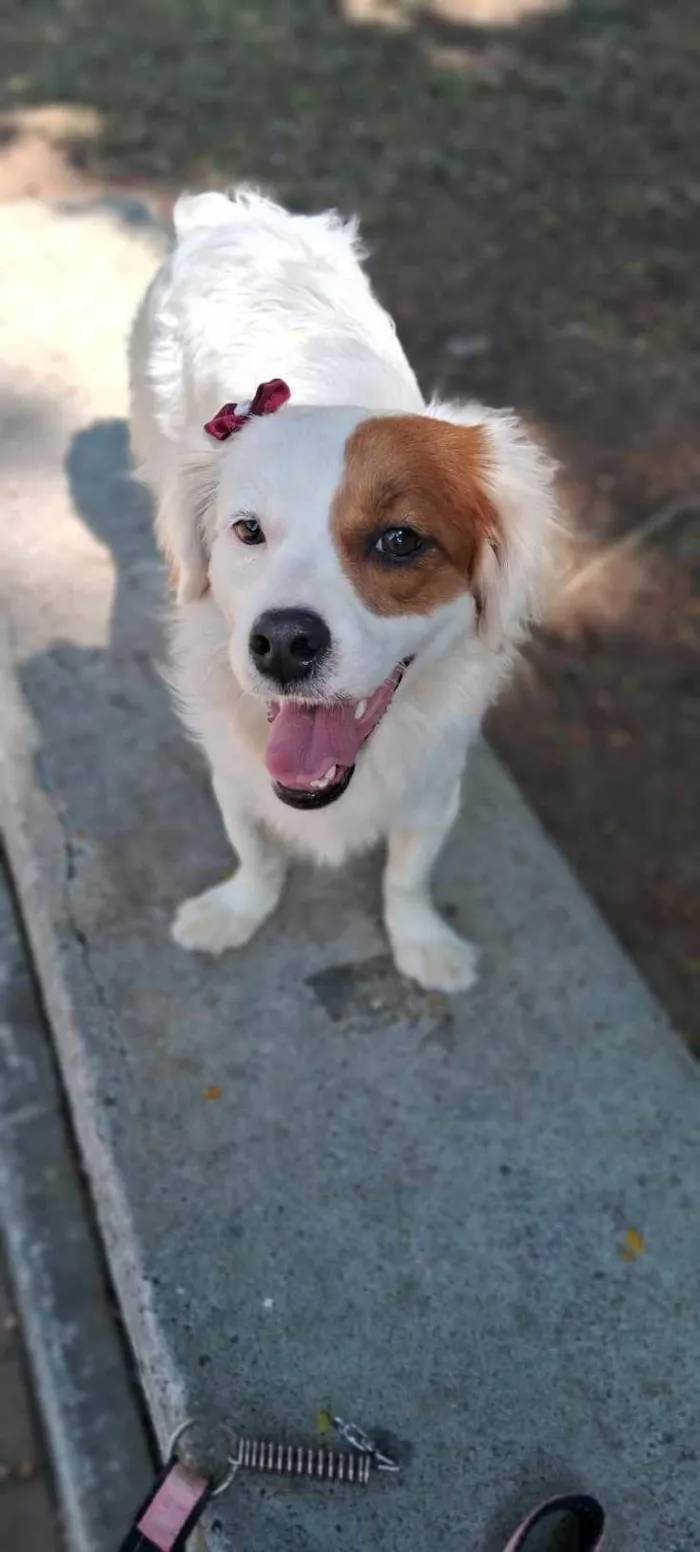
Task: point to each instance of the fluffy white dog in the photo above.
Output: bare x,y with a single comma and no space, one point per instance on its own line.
353,568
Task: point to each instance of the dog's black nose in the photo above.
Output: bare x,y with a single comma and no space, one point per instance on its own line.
288,644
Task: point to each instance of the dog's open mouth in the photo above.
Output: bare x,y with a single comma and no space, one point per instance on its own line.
313,745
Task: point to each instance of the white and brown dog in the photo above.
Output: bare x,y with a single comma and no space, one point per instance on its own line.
353,567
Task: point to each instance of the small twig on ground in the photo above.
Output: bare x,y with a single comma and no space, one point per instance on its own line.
662,518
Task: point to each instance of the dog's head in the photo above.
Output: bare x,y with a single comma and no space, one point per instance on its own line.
341,546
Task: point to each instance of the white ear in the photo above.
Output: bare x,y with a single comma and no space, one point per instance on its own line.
487,589
515,568
183,522
520,482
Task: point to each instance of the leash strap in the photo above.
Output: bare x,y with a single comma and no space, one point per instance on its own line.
167,1516
585,1514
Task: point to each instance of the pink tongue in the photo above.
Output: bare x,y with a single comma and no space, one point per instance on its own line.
305,741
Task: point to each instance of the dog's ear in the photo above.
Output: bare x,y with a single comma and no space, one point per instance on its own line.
184,521
513,519
487,585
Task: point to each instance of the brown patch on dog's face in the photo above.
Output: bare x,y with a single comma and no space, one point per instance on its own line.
410,472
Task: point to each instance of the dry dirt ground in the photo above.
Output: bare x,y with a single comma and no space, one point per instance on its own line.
528,174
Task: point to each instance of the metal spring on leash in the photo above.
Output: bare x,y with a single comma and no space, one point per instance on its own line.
292,1460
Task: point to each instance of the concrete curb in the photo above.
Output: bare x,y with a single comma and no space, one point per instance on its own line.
39,860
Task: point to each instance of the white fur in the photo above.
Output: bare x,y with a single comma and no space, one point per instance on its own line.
251,293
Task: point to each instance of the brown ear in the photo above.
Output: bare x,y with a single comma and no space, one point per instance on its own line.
181,525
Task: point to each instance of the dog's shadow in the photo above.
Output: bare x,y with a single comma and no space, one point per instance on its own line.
118,510
114,699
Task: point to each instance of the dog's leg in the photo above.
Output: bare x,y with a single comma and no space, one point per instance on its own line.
228,915
425,948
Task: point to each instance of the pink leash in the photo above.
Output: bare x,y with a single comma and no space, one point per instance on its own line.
586,1514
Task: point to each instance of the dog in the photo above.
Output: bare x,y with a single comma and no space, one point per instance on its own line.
354,568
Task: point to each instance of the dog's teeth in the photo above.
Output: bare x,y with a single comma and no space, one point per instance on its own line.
325,781
360,710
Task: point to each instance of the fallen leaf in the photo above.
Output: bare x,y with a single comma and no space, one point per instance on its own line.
633,1243
213,1091
618,738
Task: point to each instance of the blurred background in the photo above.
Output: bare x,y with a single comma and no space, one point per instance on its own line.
528,177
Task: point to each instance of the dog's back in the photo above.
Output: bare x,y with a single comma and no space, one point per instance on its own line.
253,292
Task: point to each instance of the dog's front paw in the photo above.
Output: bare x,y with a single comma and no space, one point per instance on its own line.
436,957
224,917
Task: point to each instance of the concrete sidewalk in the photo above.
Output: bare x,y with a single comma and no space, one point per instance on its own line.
473,1225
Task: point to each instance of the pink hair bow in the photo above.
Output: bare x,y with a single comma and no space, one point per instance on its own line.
268,398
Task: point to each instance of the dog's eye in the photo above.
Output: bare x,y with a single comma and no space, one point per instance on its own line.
399,544
248,530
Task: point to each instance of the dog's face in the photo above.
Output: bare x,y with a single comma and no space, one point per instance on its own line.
340,547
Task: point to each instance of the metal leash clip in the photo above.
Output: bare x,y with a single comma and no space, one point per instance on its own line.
179,1495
